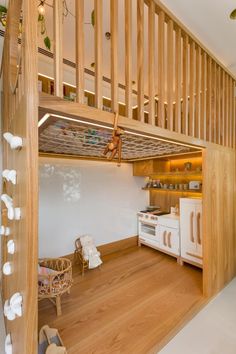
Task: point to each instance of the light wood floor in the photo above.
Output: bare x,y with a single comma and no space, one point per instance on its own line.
130,306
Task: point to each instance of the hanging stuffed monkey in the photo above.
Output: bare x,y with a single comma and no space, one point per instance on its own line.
115,144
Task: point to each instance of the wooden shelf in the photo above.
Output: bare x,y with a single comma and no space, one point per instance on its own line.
178,173
173,190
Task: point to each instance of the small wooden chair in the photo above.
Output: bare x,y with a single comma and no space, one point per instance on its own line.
52,286
78,256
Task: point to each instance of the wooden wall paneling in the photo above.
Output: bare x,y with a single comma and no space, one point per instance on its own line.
203,96
128,58
98,33
161,71
170,74
151,61
114,54
185,83
209,101
192,77
214,113
58,47
218,218
198,92
79,49
178,81
23,122
140,59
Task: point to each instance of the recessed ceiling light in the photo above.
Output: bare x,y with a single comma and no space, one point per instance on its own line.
233,15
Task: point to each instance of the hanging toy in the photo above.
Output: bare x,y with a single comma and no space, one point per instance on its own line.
114,146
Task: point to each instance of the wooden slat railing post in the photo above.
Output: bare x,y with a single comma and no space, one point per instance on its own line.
140,58
209,101
178,64
161,73
223,107
218,104
98,4
234,118
151,57
226,109
114,54
170,73
230,111
203,97
128,58
192,89
79,38
58,49
185,83
198,92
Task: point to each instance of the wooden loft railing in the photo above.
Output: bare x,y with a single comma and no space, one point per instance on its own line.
190,92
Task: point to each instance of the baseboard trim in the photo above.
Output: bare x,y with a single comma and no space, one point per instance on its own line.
113,247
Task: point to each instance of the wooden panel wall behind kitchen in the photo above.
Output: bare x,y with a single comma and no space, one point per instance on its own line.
219,251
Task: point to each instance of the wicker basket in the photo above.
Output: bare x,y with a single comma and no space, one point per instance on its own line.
59,281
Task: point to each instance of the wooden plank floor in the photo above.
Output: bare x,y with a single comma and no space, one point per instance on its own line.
130,306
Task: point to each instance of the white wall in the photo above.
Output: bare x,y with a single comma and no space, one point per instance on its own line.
86,197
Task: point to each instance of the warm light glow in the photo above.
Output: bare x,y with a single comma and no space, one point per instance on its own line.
41,8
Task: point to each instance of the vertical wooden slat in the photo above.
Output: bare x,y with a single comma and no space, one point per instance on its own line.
217,104
114,54
140,58
178,62
198,92
234,118
170,73
58,50
185,83
79,45
230,111
203,97
192,88
209,101
98,51
222,107
128,58
226,109
213,133
151,57
161,74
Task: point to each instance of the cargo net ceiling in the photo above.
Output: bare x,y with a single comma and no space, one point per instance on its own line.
77,139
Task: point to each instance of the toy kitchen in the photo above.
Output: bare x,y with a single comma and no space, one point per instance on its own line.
178,234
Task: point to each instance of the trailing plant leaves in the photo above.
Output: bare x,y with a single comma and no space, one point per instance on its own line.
3,9
47,42
93,18
40,18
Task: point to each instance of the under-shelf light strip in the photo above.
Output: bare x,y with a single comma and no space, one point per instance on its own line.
47,115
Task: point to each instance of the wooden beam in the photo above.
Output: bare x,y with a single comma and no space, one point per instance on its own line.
151,61
79,48
170,74
114,54
230,128
226,110
217,105
128,58
234,117
58,48
140,59
98,51
161,73
178,64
